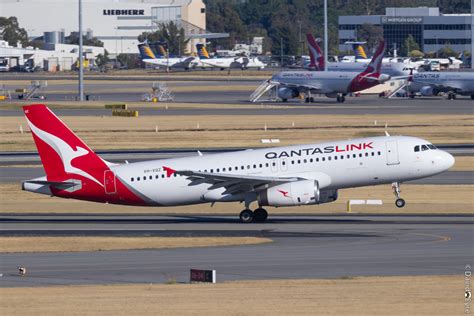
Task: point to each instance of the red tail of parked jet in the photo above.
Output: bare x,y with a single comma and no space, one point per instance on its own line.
315,53
72,169
372,75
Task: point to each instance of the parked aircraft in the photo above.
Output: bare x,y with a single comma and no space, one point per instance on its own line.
317,62
149,57
227,62
280,176
331,83
434,83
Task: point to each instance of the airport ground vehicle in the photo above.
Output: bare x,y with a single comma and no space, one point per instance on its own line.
279,176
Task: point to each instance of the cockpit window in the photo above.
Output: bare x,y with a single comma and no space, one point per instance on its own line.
431,146
417,148
424,147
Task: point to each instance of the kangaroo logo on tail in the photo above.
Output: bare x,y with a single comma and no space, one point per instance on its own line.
315,53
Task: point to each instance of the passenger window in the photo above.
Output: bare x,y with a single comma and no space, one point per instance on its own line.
242,167
379,153
248,166
163,175
151,177
342,156
323,159
217,170
267,165
156,177
292,162
283,163
348,156
174,175
273,164
367,154
311,160
212,170
223,169
417,148
354,155
373,154
360,155
138,178
254,166
317,159
132,179
299,161
329,158
424,147
260,165
305,161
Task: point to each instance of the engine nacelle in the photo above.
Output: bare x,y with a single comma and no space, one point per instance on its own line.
287,93
302,192
429,91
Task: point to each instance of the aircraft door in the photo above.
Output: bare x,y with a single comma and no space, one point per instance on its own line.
392,152
274,164
109,182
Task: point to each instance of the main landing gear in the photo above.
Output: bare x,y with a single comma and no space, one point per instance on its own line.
399,202
259,215
340,98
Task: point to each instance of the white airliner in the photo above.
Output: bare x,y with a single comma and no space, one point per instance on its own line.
241,62
448,82
149,57
281,176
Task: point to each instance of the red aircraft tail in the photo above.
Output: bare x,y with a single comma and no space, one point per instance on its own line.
315,53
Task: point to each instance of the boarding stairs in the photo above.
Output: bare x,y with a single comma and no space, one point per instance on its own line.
269,88
160,92
394,92
34,88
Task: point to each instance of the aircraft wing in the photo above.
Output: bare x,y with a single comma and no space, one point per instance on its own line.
233,183
302,87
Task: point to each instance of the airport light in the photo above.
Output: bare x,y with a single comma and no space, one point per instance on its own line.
81,65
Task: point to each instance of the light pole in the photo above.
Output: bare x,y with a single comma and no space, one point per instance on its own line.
325,35
81,65
281,52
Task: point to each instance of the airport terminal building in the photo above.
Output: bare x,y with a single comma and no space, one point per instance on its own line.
431,29
117,23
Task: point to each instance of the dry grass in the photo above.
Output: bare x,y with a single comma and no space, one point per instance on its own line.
246,131
420,199
400,295
87,243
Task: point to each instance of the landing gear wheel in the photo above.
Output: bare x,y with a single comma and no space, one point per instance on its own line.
338,99
311,99
400,203
260,215
306,100
472,96
343,99
246,216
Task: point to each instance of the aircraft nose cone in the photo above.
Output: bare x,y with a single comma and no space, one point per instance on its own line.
449,160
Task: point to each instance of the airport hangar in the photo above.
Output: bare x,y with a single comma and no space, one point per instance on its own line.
431,29
117,23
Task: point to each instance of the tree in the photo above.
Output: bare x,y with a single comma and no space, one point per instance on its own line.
371,34
416,53
129,60
409,45
446,52
101,60
12,32
169,33
73,38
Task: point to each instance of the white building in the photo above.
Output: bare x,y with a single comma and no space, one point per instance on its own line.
117,23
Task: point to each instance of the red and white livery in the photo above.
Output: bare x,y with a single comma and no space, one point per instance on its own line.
280,176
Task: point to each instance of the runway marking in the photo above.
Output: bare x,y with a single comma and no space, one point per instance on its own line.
440,238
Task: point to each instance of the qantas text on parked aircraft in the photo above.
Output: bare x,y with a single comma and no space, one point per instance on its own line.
282,176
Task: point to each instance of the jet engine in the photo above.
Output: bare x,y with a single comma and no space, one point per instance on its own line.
287,93
429,90
290,194
301,192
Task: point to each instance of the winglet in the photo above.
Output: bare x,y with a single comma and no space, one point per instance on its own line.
169,171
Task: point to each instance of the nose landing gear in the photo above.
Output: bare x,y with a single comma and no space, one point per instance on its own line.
399,202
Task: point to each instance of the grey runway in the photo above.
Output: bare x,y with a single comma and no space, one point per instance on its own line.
304,247
18,174
324,106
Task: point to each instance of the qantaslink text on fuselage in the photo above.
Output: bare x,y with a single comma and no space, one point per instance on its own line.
319,150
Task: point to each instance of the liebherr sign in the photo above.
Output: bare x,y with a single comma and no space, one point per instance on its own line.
123,12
